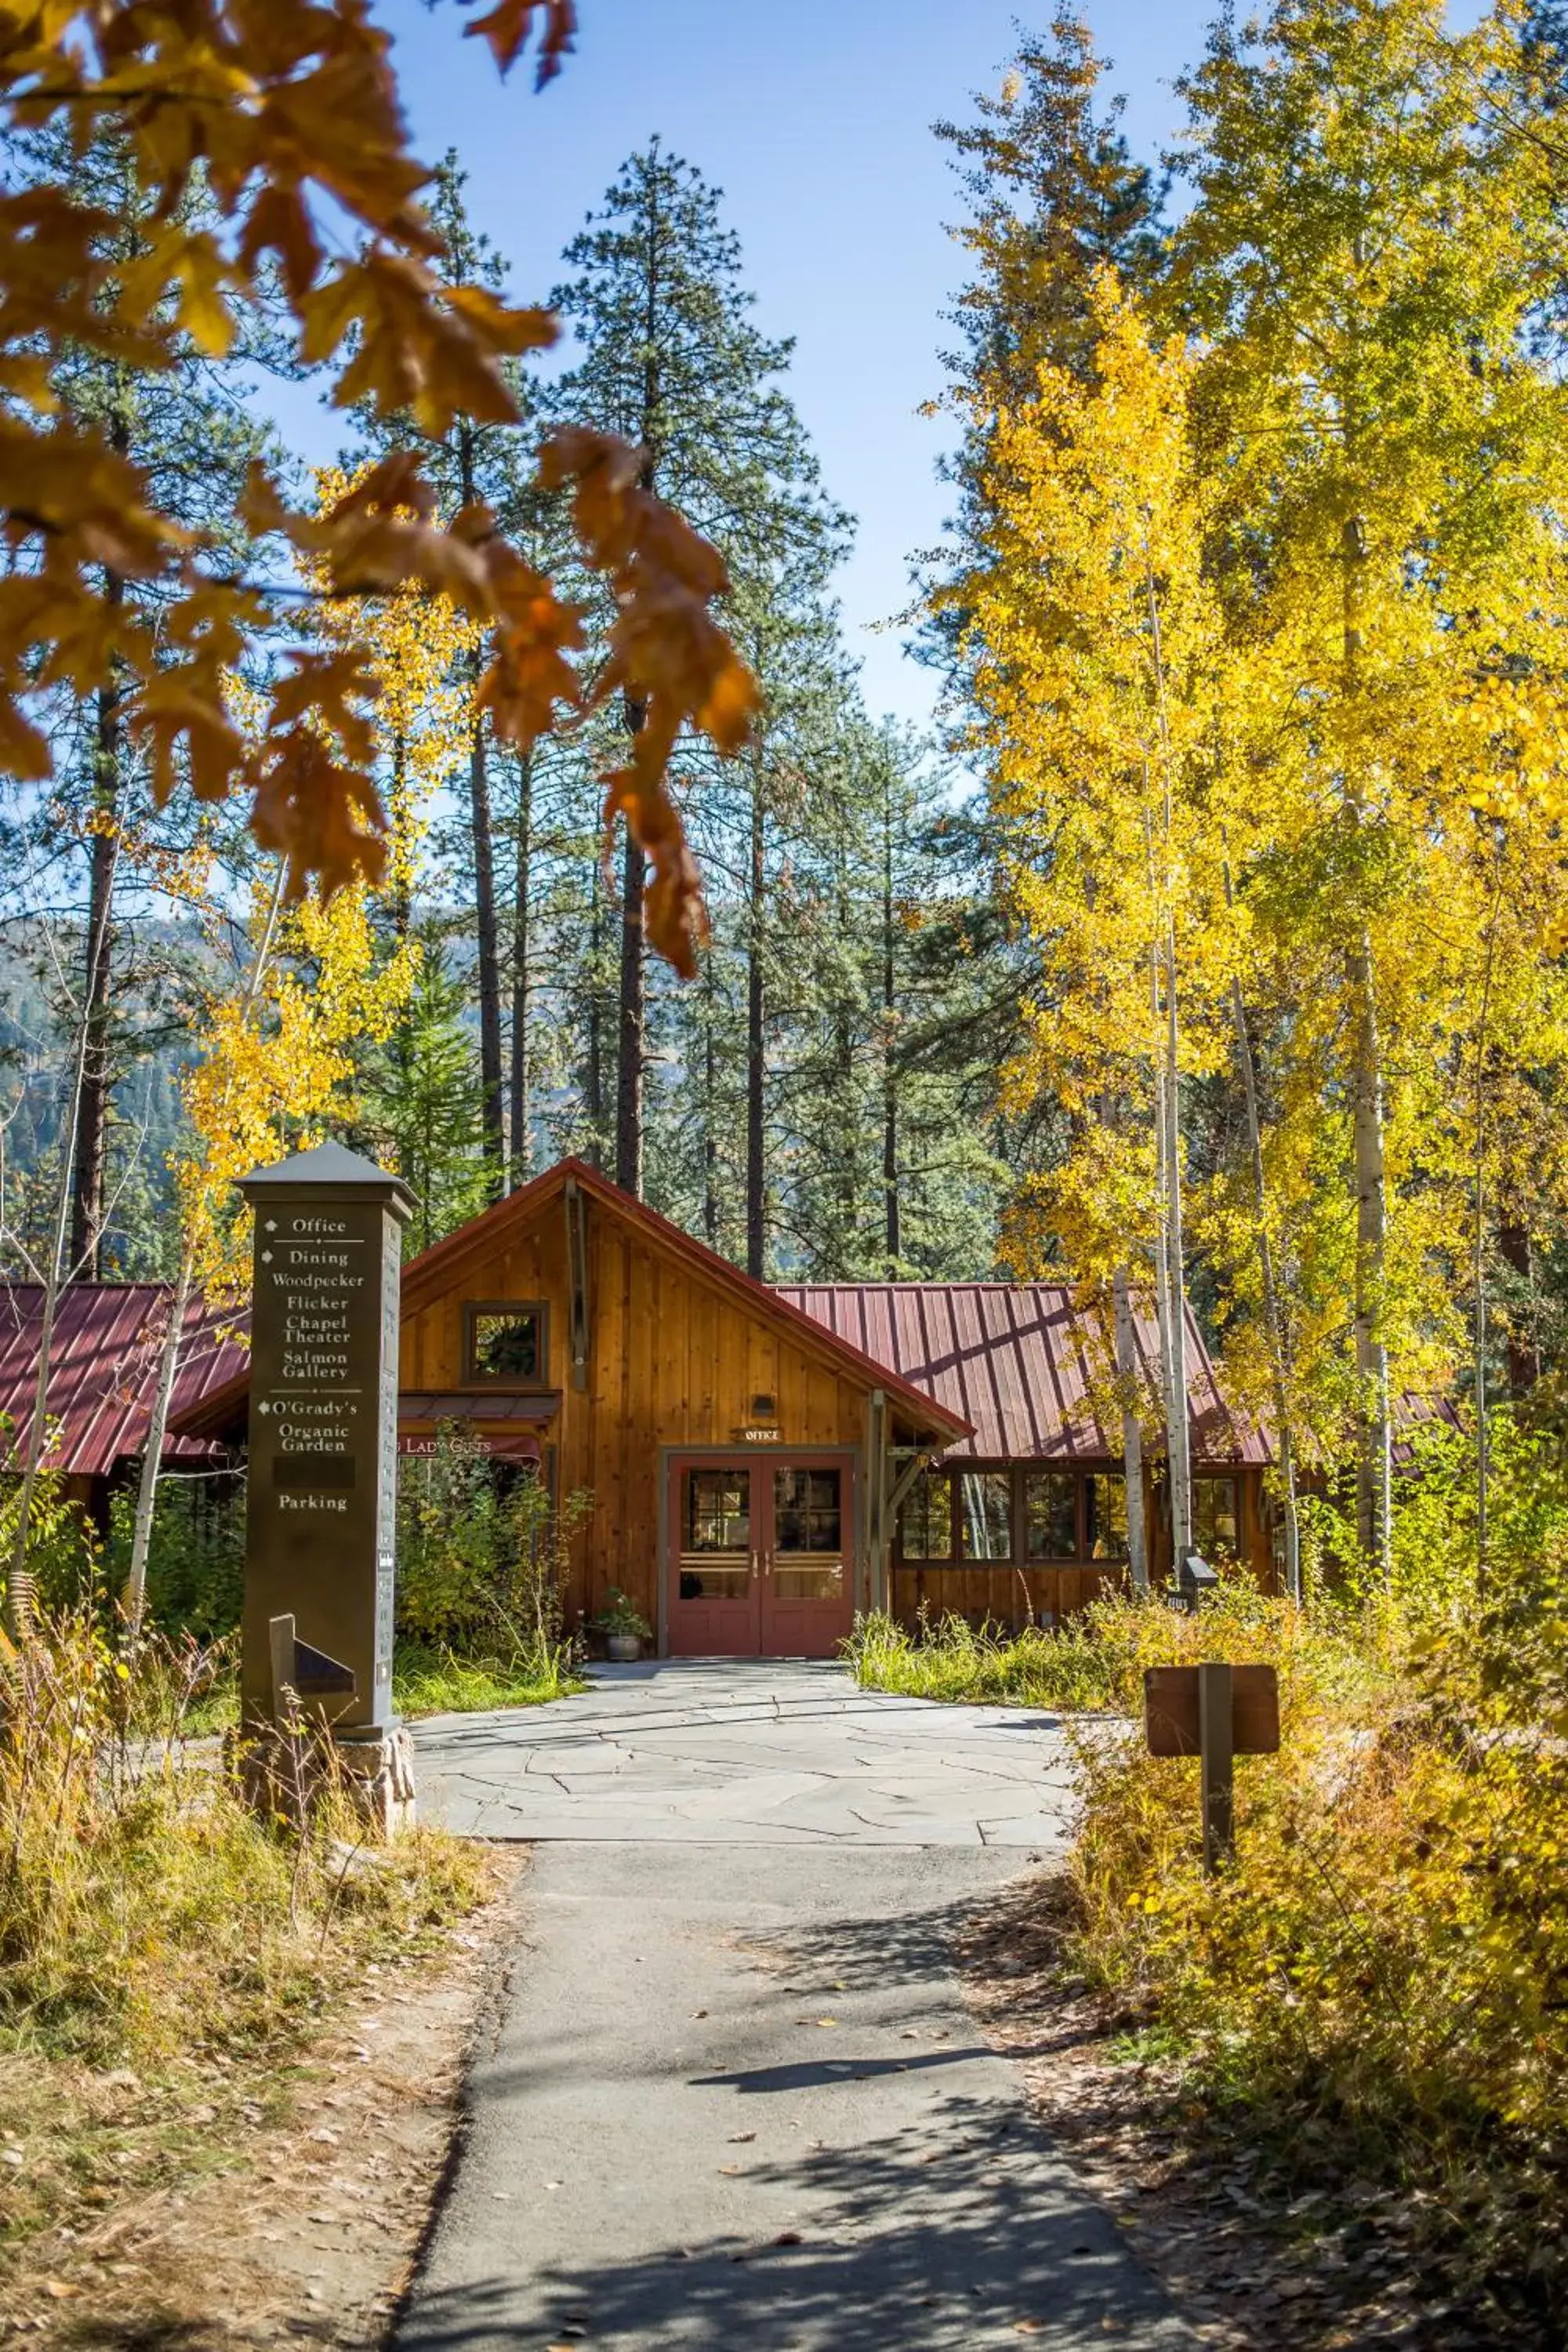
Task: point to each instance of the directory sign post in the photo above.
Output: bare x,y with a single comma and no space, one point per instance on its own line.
321,1491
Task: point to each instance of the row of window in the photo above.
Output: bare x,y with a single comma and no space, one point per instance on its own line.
998,1516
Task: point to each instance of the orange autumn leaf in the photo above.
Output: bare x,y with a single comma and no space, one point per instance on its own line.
507,28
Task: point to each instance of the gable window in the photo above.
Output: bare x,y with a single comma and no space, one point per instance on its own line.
1051,1515
986,1505
925,1521
505,1343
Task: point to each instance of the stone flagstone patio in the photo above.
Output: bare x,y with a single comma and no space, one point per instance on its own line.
750,1752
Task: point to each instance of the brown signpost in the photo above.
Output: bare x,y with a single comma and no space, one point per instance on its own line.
1215,1712
319,1535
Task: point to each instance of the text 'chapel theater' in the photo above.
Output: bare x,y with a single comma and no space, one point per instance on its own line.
762,1461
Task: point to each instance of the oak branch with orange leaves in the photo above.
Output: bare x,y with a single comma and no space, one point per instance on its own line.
285,107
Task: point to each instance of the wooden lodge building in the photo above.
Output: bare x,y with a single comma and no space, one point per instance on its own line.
762,1461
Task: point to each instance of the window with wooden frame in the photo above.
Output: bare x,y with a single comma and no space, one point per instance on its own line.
925,1519
1051,1515
1216,1523
506,1343
1105,1515
985,1514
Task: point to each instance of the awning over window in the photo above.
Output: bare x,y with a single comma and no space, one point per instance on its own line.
500,1444
506,1427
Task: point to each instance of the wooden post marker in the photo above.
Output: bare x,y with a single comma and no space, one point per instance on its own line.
1216,1712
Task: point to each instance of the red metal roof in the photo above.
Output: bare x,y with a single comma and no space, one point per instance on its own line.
1019,1362
103,1369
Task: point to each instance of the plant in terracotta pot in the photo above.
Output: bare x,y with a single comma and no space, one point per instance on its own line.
624,1626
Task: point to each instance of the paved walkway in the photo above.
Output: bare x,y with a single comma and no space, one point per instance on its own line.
732,2101
752,1753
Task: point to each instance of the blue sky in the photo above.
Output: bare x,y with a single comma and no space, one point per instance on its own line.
815,119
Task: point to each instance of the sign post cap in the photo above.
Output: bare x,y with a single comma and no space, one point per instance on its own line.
330,1164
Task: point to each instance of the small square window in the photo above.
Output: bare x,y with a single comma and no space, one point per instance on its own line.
506,1343
1051,1515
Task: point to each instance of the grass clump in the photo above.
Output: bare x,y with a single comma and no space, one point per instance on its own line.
430,1679
947,1658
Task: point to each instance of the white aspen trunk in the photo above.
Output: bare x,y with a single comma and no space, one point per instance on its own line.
1181,1427
1173,1416
1374,1451
135,1598
18,1612
1374,1472
1132,1433
1278,1363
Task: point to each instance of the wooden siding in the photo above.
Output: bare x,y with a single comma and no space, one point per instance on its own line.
672,1362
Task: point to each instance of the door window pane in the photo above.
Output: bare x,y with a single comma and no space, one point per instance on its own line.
717,1510
1214,1527
925,1521
986,1507
716,1536
1107,1502
1051,1515
806,1516
809,1579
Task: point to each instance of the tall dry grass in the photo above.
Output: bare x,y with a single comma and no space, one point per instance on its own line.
144,1908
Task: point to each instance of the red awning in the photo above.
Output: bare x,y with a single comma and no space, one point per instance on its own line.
499,1445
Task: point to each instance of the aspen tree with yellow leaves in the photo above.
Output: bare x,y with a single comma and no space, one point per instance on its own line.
1364,257
1094,659
276,1075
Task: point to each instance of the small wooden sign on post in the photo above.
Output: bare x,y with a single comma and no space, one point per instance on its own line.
1216,1712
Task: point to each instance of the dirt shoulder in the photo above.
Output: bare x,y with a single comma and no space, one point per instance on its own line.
231,2205
1263,2251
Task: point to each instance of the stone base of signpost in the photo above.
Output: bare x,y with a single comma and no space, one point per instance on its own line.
378,1773
283,1773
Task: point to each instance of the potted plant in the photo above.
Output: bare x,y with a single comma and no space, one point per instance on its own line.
624,1626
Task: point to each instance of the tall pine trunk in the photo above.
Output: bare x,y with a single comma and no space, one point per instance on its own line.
18,1605
521,1108
631,1063
710,1110
630,1038
89,1160
892,1226
594,1073
756,1167
84,1260
486,926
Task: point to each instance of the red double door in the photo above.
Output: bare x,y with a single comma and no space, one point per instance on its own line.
760,1553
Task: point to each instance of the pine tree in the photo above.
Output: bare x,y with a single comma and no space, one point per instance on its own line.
671,360
422,1102
1053,193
